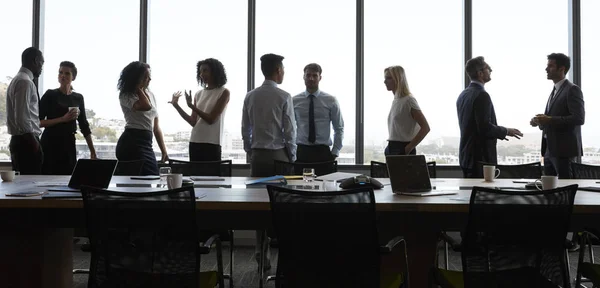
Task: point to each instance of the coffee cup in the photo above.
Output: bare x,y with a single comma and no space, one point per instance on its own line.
490,172
547,183
8,175
174,181
74,108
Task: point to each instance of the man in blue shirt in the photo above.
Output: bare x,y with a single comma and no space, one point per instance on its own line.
315,112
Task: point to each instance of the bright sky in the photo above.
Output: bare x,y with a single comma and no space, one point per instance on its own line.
425,37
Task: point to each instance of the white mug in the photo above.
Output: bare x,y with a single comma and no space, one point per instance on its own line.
174,181
8,175
490,173
74,108
548,182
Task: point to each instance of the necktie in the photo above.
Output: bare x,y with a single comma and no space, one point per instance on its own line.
311,120
550,99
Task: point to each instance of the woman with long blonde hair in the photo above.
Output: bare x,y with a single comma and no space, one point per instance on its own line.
407,126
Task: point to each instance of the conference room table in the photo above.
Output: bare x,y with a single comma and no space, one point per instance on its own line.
36,243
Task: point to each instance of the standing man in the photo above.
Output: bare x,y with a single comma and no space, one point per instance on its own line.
479,131
268,128
22,113
315,112
562,120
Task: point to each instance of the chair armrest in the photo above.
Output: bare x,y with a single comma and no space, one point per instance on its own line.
389,247
206,246
453,242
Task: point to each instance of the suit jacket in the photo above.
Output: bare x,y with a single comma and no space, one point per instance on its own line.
563,133
478,128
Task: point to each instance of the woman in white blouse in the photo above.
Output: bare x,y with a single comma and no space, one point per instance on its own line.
407,126
141,118
208,110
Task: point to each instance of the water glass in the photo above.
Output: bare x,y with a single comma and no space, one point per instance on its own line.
163,171
308,174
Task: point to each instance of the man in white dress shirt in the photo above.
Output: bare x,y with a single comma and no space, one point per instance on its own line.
22,115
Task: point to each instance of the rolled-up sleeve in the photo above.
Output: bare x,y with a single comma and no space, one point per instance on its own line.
289,128
246,126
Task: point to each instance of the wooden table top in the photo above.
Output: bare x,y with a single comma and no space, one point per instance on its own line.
230,193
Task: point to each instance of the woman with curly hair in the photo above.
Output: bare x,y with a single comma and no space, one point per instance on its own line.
208,110
141,117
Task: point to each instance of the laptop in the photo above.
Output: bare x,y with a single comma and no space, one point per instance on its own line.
95,173
409,176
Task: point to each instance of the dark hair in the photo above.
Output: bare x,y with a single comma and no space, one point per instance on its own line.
473,66
313,67
269,64
131,76
71,66
561,60
29,55
217,70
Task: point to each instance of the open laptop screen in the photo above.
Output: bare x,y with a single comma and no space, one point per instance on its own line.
408,173
95,173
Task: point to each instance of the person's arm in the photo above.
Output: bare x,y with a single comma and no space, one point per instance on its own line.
246,127
337,121
22,91
422,121
190,119
289,128
84,127
212,116
159,139
45,103
482,109
143,101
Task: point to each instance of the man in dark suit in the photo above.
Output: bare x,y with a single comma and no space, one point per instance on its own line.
562,120
477,120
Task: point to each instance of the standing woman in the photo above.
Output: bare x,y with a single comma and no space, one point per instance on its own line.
58,139
141,118
407,125
208,111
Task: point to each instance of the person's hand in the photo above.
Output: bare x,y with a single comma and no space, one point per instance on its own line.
512,132
534,122
70,116
175,98
188,98
408,148
543,119
93,156
164,158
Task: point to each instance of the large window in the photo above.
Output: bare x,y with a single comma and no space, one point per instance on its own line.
101,38
16,36
515,37
180,34
425,38
590,50
322,32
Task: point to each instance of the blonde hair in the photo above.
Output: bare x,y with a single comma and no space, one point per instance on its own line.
399,77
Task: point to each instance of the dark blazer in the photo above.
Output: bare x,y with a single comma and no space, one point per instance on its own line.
563,133
478,128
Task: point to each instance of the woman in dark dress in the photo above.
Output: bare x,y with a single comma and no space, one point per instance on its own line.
141,118
59,110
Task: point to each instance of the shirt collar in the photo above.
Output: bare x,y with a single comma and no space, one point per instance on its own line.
270,83
27,71
317,93
559,83
478,83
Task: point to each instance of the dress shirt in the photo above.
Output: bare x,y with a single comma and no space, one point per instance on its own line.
327,113
268,120
557,85
22,105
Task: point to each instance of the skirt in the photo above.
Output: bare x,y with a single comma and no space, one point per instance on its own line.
136,144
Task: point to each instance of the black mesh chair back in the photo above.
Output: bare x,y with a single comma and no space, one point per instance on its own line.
516,238
583,171
201,168
129,168
145,239
379,169
528,171
326,239
288,168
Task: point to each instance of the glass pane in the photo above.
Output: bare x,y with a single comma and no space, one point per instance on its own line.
100,40
16,15
427,42
318,31
515,43
183,32
590,45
